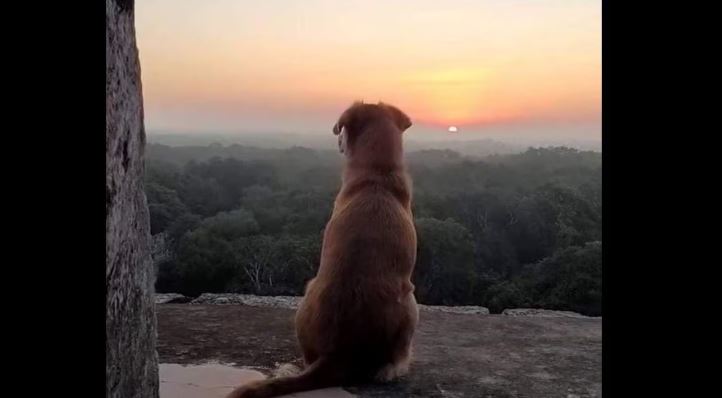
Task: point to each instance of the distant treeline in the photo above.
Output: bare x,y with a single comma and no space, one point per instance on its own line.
520,230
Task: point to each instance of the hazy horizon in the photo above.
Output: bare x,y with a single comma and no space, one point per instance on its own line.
514,71
471,145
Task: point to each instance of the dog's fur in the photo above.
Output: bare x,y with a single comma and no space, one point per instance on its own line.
357,319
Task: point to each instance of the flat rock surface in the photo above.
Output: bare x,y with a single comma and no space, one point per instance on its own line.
171,298
541,313
214,380
248,299
292,302
456,355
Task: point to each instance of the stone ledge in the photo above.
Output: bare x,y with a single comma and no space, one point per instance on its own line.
538,312
215,380
291,302
455,355
172,298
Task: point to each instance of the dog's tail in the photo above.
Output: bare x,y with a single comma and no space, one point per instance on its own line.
320,374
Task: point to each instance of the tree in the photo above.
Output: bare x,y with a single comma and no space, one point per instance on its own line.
574,219
267,206
505,295
570,280
258,260
180,226
205,261
250,220
274,265
202,195
444,271
230,225
164,206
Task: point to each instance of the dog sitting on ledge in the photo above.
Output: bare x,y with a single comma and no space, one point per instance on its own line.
356,321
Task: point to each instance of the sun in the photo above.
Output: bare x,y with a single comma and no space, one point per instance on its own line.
453,129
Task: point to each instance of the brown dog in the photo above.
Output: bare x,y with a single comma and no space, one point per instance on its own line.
357,319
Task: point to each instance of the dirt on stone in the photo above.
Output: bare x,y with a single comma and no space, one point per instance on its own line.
455,355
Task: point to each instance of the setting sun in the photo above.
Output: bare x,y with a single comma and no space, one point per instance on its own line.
227,65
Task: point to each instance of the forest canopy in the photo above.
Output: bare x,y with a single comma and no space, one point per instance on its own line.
502,231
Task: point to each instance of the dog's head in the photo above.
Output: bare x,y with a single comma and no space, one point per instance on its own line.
358,116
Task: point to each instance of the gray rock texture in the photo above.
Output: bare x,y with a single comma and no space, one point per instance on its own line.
542,313
131,364
292,302
171,298
455,355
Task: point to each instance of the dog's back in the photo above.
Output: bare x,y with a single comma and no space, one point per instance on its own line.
357,303
358,315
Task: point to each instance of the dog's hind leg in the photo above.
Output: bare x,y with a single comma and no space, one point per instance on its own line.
402,351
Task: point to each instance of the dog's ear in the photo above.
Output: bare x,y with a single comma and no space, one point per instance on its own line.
402,121
349,119
338,127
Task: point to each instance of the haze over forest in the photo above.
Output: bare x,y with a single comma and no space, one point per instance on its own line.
465,145
505,97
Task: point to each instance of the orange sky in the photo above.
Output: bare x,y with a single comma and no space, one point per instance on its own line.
295,65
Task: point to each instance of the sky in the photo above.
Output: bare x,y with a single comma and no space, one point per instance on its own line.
490,68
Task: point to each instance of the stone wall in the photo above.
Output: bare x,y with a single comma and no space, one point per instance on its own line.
131,367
